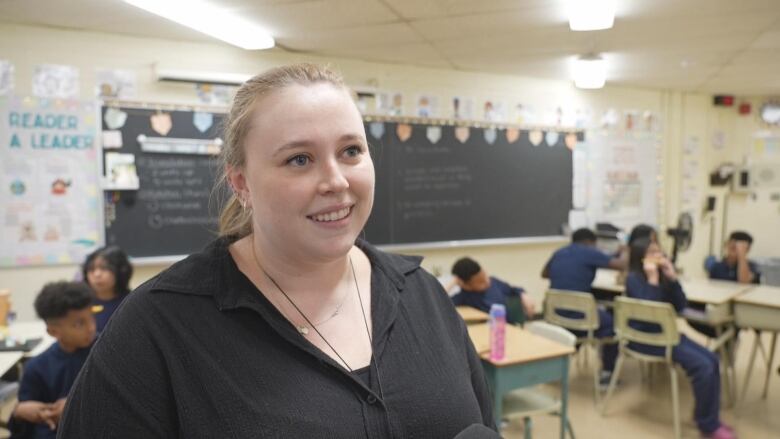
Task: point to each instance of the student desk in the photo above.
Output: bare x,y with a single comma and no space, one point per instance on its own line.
8,360
717,295
32,329
759,309
606,281
529,360
472,315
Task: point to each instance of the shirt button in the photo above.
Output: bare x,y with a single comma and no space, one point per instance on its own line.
371,399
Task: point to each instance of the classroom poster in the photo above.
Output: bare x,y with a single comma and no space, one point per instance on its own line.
617,177
49,182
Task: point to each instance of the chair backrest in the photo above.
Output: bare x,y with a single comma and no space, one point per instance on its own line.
660,313
552,332
564,300
514,310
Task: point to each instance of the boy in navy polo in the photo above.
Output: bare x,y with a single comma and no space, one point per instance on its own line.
573,268
478,290
47,378
736,266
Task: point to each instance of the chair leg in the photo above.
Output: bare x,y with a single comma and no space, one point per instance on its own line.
527,426
752,360
675,401
612,382
569,427
596,377
769,364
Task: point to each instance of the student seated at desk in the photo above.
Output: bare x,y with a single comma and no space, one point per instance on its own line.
47,378
478,290
108,271
653,277
573,268
735,267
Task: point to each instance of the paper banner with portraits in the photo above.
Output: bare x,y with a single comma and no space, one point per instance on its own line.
49,193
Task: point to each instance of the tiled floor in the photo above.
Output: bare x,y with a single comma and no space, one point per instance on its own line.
643,410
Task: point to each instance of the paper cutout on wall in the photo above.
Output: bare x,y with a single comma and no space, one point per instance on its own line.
6,77
462,134
115,118
571,141
535,137
377,129
55,81
427,106
512,134
112,139
433,134
161,123
490,135
404,131
115,83
202,121
610,118
551,138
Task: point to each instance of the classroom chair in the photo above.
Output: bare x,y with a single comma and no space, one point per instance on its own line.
662,314
524,403
8,394
584,303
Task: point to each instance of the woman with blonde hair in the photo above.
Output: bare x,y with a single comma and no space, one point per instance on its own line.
288,325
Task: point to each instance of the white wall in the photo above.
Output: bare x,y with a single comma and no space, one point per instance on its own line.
682,115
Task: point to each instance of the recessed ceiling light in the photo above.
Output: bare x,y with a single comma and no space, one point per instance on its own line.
210,20
587,15
590,71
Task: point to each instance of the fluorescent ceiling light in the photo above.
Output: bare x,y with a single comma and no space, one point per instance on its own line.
210,20
590,72
591,14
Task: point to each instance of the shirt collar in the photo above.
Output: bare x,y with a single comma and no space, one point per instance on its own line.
213,272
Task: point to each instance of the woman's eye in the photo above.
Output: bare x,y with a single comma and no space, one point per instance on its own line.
353,151
298,160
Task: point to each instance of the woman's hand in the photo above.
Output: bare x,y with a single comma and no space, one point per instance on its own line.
668,269
651,271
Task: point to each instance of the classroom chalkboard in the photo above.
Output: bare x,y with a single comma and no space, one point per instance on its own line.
449,183
174,211
434,183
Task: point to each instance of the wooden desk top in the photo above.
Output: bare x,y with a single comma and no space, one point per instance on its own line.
763,295
521,346
715,292
472,315
32,329
607,280
8,360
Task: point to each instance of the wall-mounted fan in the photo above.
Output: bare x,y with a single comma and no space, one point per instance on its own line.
682,234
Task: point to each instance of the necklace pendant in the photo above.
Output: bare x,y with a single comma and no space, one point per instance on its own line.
303,330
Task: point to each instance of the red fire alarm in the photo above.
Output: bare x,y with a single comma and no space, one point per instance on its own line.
744,108
723,101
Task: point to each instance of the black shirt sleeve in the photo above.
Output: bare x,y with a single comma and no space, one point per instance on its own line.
123,390
478,381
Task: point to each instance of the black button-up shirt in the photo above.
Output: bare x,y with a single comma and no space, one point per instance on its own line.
199,352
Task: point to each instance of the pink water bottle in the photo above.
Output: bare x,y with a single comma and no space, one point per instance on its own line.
497,331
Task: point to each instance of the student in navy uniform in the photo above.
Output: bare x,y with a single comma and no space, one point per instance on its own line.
478,290
47,378
736,266
108,271
573,268
653,277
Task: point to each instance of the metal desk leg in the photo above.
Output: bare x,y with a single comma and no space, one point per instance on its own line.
769,364
564,396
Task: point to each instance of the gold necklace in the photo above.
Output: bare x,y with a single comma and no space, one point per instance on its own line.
303,330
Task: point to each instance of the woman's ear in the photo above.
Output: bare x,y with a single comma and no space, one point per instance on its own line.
237,181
